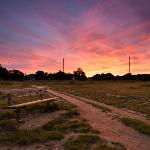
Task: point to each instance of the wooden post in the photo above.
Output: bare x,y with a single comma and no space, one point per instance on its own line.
41,95
47,103
9,99
18,114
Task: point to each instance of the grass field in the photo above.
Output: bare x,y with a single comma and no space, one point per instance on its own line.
55,131
133,95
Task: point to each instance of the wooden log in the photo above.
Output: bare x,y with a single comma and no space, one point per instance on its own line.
22,105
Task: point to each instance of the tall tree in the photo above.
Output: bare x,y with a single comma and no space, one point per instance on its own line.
4,73
79,74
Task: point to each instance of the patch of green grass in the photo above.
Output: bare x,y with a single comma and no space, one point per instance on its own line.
65,126
137,125
10,134
82,142
66,105
91,142
71,113
104,147
116,146
7,114
24,137
8,125
57,124
78,126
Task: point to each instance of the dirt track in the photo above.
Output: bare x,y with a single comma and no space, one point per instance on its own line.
111,129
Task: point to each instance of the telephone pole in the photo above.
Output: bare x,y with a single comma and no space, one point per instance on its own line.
63,65
129,65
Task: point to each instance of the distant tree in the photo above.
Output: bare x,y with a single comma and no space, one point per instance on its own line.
59,75
50,76
127,76
16,75
46,75
4,73
39,75
79,74
96,77
143,77
69,76
107,76
30,77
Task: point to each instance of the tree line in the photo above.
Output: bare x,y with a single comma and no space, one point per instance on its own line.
14,74
78,74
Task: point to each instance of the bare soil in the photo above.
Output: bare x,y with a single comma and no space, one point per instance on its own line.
116,111
36,120
111,129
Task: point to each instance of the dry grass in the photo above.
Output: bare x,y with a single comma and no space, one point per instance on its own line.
69,122
133,95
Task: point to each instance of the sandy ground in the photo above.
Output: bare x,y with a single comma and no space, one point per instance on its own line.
110,128
32,121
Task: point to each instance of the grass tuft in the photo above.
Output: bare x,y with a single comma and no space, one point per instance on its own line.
106,147
82,142
136,124
66,126
25,137
70,114
8,125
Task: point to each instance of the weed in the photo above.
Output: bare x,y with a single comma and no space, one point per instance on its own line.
24,137
136,124
82,142
8,125
71,113
65,126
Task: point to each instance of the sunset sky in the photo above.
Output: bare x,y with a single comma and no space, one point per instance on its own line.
96,35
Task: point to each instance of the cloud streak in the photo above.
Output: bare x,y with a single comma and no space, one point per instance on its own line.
96,35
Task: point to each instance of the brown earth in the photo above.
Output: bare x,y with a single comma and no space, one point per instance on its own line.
32,121
110,128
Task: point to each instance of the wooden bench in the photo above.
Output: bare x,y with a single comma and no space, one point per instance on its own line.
17,107
11,94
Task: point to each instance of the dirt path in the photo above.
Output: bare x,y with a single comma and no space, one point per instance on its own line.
111,129
115,111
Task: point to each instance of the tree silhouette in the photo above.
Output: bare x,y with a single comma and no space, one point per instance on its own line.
16,75
107,76
79,74
39,75
4,73
61,76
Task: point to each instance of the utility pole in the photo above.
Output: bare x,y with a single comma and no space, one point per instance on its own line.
63,65
129,65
